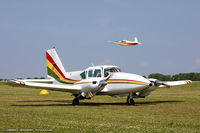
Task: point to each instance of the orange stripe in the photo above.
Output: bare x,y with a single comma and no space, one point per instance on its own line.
126,81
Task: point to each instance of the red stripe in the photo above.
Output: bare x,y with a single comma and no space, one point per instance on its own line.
54,64
50,59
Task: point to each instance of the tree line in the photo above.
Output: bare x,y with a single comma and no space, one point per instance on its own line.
1,79
181,76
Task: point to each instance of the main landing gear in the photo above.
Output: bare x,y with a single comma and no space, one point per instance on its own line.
76,100
79,97
130,100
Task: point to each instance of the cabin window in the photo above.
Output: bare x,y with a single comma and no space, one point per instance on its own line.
97,73
90,73
94,73
106,72
118,70
83,75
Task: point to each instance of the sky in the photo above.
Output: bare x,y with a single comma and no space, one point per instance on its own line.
169,32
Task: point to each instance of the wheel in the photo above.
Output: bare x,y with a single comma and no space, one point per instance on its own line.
130,101
75,101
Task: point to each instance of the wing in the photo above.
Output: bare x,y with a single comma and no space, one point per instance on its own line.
174,83
47,84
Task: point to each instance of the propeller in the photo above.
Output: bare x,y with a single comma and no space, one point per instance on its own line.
89,90
109,75
99,84
95,86
157,83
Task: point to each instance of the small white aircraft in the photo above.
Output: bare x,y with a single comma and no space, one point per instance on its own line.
95,80
127,43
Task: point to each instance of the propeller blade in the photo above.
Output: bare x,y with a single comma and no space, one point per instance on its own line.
158,83
103,82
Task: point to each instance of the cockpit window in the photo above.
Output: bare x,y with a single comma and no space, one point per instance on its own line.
110,70
94,73
118,69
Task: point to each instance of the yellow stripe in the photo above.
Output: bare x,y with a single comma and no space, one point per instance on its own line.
123,44
54,69
83,82
57,73
91,93
126,82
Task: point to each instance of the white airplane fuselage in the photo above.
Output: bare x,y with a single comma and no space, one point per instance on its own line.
117,82
127,42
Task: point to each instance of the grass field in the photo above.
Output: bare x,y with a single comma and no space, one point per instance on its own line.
174,109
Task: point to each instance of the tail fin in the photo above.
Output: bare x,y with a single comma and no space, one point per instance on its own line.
136,40
55,67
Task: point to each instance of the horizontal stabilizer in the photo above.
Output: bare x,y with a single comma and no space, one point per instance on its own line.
49,86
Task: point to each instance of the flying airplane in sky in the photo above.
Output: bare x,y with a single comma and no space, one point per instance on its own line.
95,80
127,43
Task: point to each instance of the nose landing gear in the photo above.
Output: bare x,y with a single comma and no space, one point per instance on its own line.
130,100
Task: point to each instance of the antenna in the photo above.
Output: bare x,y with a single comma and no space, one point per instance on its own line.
92,64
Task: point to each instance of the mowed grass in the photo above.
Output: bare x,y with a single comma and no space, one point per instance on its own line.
174,109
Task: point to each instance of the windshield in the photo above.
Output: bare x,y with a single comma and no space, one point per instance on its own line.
94,73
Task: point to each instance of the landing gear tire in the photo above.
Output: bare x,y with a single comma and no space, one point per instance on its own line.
75,101
130,101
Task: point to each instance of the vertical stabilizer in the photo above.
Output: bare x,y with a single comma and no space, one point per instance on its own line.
55,67
136,40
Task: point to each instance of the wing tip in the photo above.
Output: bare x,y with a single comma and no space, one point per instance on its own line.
188,81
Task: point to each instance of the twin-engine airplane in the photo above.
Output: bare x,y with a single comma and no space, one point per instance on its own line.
127,43
96,80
